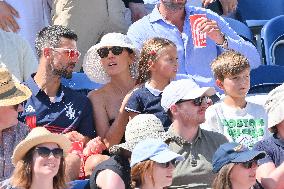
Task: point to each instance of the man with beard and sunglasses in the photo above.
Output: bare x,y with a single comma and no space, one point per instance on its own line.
52,105
186,102
170,19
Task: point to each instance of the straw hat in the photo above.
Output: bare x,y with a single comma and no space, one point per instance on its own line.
11,91
92,62
38,136
139,128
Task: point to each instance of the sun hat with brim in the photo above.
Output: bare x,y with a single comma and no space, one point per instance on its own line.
274,106
139,128
184,89
38,136
92,61
232,152
155,150
11,91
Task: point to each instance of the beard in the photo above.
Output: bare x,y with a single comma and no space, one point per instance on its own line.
169,4
62,72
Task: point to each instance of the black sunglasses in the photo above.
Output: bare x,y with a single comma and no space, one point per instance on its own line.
45,152
167,164
249,164
116,50
197,101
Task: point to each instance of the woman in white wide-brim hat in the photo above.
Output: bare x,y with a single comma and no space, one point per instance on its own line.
12,94
39,161
111,62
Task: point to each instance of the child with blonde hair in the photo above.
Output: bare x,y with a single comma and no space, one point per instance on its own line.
158,65
240,121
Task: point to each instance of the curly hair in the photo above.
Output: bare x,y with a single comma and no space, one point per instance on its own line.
22,175
151,50
50,37
229,63
222,179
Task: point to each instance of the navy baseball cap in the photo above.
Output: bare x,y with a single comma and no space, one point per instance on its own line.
232,152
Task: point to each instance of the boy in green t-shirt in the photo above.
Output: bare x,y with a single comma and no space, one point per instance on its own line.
240,121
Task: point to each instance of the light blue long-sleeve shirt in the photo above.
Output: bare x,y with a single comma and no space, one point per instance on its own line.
193,61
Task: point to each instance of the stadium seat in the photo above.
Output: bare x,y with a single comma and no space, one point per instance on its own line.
81,83
265,78
272,36
277,52
79,184
257,12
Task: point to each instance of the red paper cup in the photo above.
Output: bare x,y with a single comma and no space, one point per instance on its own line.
199,40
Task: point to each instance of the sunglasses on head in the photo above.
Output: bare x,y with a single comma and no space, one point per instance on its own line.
116,50
197,101
167,164
70,53
249,164
45,152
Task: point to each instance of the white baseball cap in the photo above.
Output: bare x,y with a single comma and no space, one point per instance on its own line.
184,89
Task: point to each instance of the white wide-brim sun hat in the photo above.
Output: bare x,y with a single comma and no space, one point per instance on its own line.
92,61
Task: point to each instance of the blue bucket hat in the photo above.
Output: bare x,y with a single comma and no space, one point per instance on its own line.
232,152
155,150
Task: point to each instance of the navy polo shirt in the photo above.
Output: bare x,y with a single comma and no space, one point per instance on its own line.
147,100
70,110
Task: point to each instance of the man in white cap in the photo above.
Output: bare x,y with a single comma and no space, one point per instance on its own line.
271,168
186,103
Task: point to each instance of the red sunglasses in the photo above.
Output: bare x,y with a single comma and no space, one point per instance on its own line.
71,53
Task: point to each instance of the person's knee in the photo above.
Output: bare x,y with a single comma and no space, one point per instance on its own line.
92,162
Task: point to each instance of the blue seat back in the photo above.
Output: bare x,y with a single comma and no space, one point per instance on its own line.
259,9
272,32
79,184
240,28
277,52
265,78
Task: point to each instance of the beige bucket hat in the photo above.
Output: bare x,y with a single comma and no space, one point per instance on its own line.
139,128
274,106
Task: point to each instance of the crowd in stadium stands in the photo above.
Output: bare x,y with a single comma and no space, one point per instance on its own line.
171,110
